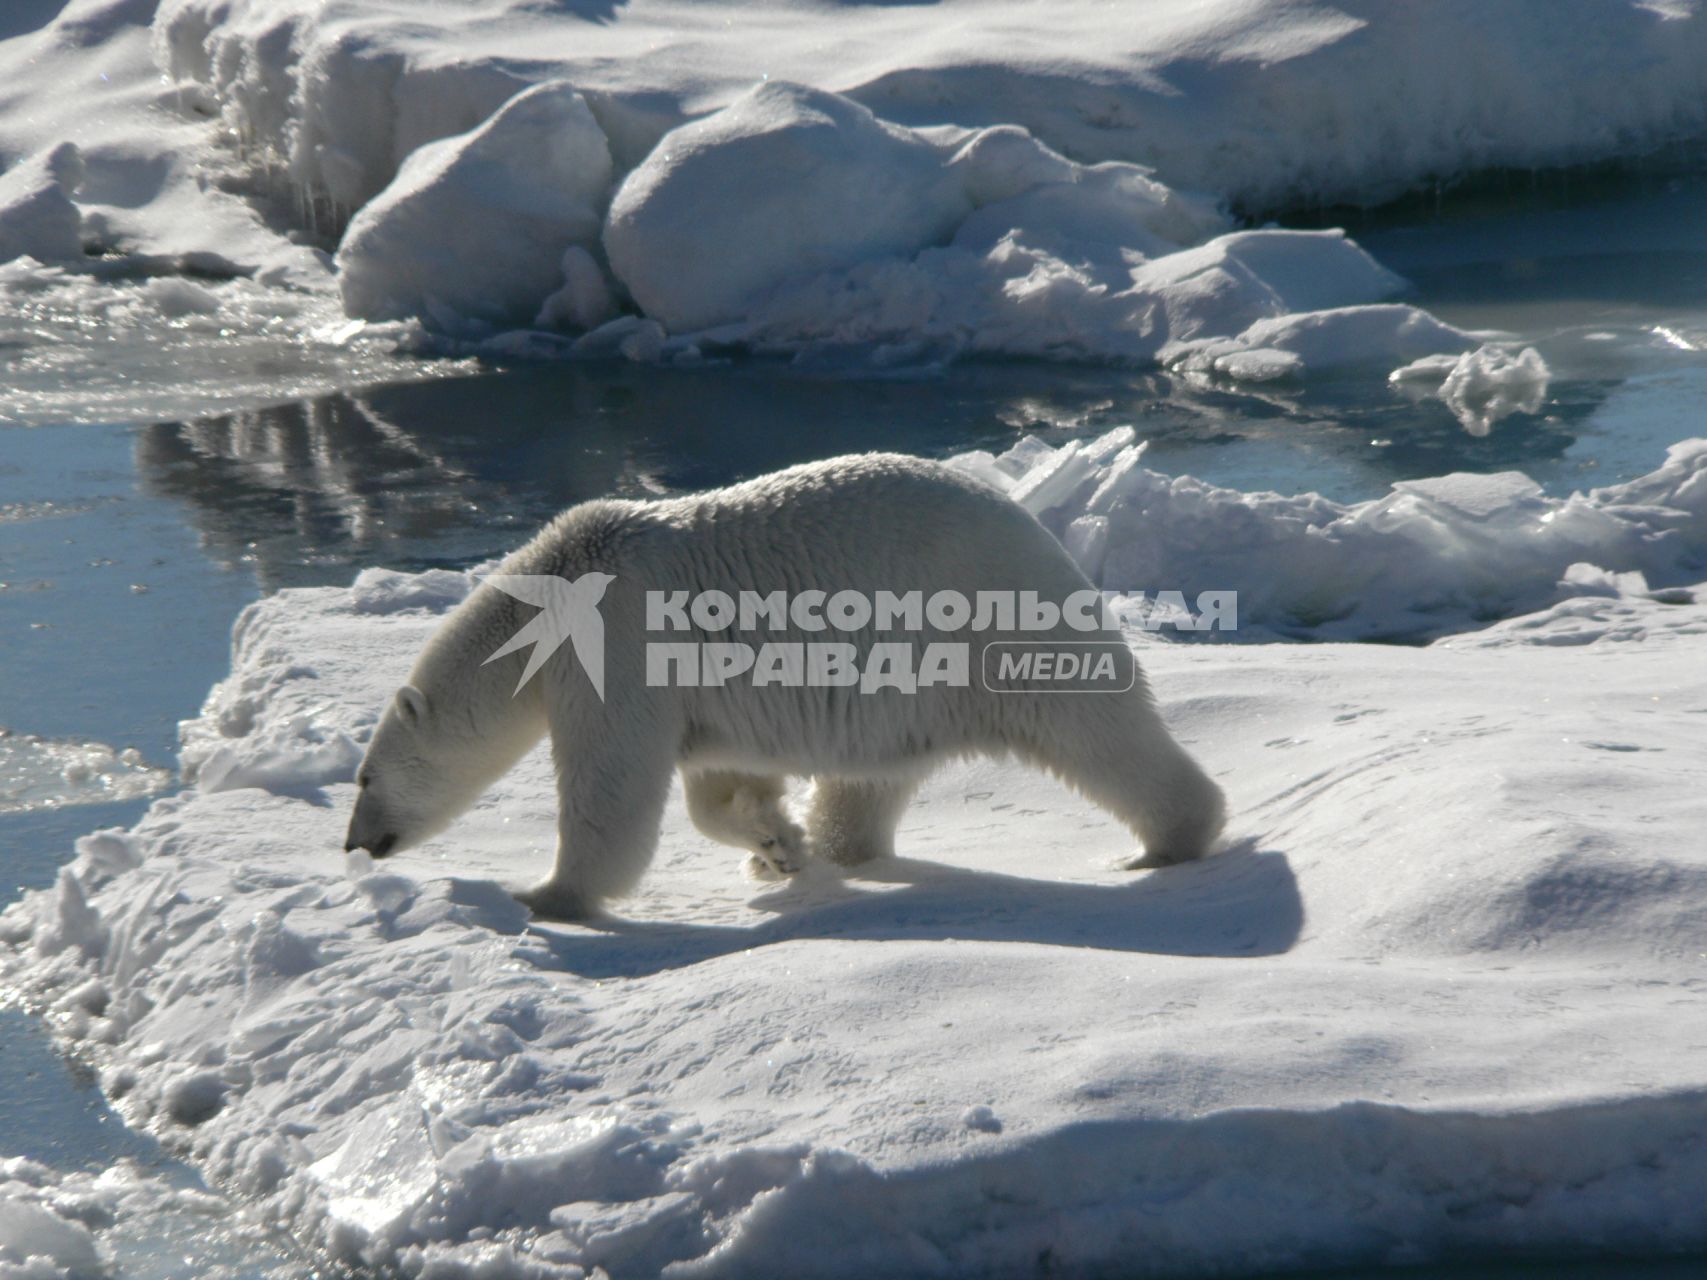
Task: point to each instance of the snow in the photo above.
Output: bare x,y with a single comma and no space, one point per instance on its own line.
1425,1002
845,184
786,182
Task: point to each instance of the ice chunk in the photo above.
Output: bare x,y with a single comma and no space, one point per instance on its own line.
175,298
37,216
584,299
1323,341
474,227
1476,496
981,1119
1491,383
1432,556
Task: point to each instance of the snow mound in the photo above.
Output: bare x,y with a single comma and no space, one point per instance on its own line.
786,181
474,227
1458,1036
1432,557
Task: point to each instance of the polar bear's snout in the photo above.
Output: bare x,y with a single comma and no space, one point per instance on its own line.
366,833
378,848
372,826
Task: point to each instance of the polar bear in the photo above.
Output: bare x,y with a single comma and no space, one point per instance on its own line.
867,524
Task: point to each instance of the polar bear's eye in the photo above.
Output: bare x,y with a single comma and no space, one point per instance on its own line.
363,779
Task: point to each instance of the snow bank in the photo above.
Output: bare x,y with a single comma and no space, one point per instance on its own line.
1318,1047
1433,556
794,220
1262,103
899,184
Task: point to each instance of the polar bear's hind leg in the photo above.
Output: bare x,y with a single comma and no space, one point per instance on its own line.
853,820
1129,765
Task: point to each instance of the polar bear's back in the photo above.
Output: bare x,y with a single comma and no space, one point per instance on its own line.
877,521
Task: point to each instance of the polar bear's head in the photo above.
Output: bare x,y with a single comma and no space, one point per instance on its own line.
411,781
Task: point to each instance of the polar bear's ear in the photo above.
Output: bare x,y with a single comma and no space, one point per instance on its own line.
411,704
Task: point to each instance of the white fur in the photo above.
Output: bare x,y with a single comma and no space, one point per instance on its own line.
865,523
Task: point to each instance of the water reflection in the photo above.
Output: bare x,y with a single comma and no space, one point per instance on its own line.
453,472
450,473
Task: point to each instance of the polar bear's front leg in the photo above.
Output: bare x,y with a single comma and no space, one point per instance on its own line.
610,805
853,820
746,810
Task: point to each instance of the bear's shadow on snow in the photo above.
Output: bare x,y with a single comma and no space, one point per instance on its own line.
1242,902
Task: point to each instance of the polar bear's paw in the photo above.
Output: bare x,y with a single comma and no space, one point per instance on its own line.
1164,857
779,850
549,901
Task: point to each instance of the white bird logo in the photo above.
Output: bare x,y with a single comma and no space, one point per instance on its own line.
569,610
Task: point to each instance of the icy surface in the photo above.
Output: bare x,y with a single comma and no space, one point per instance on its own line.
1428,999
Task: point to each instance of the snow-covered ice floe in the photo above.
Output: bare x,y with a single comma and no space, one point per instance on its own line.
895,184
1433,998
